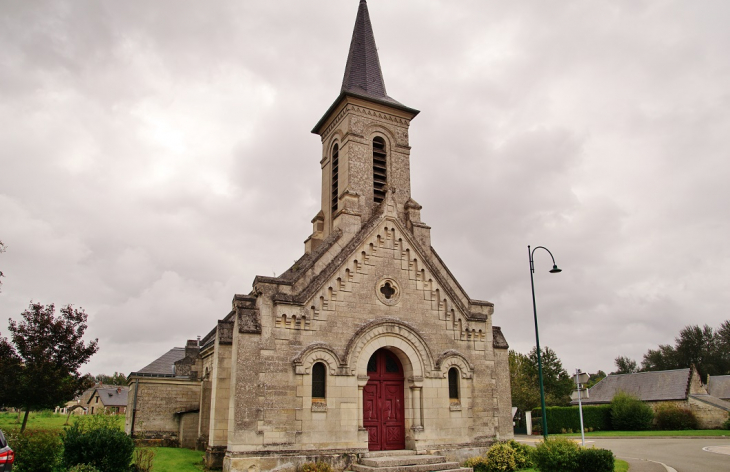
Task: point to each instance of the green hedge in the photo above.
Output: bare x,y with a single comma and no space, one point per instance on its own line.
597,417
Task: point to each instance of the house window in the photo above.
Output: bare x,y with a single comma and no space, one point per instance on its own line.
380,172
453,383
335,177
319,381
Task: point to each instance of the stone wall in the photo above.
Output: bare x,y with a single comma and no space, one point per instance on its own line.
159,402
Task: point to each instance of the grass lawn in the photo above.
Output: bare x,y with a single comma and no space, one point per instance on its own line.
46,420
171,459
691,432
619,466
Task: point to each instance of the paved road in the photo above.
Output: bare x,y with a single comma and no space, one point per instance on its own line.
682,454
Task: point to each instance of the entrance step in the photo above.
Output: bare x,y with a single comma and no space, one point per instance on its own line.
397,452
405,461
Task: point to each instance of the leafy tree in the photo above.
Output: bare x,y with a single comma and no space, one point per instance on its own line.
708,350
593,379
525,388
663,358
558,384
47,353
525,381
117,379
624,365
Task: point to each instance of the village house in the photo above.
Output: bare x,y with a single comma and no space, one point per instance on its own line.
367,343
680,387
719,386
111,400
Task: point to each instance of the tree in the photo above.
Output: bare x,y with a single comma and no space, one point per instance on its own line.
702,347
117,379
593,379
525,389
50,351
558,384
624,365
525,381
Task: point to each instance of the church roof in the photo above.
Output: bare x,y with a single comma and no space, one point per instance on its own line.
363,76
163,366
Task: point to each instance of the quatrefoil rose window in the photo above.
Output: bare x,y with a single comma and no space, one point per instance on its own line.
387,291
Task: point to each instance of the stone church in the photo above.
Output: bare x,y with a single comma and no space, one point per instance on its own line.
367,343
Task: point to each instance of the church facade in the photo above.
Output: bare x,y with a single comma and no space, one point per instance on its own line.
367,342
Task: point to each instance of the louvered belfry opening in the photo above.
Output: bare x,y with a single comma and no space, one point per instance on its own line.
335,177
380,173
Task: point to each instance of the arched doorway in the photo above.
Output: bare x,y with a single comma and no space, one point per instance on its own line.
383,403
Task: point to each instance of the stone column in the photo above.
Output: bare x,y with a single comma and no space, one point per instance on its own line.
417,415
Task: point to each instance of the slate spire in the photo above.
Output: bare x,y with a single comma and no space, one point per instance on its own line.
363,75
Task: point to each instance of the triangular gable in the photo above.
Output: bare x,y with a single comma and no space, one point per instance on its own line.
383,236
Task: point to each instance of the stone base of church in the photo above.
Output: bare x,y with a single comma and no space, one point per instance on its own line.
288,462
338,460
214,456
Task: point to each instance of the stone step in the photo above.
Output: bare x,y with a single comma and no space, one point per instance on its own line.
434,467
395,461
397,452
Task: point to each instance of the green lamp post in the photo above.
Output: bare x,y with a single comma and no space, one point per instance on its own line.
554,270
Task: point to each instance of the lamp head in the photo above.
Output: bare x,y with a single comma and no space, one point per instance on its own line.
555,269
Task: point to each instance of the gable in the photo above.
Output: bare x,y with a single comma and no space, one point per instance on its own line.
384,257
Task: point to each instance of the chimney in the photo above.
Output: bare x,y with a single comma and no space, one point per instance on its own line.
119,390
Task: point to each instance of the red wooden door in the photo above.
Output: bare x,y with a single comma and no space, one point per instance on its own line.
383,405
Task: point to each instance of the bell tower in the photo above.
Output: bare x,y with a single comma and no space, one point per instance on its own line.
365,148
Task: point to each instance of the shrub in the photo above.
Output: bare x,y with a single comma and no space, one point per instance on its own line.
143,458
726,424
316,467
595,460
99,441
672,417
83,468
597,417
628,413
557,455
36,451
523,454
501,458
478,463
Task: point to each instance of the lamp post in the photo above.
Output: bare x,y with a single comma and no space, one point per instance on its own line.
554,270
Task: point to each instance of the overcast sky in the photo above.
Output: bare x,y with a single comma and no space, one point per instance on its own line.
156,156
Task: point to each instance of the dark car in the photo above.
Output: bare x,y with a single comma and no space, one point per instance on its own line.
7,456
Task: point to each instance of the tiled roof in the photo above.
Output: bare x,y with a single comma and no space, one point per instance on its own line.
165,363
112,396
719,386
713,400
647,386
363,75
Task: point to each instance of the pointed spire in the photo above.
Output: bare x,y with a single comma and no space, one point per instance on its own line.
363,75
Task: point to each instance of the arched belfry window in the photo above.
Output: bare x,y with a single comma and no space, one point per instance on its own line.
453,383
335,176
380,169
319,380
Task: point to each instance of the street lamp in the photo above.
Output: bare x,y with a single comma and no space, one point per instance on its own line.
554,270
